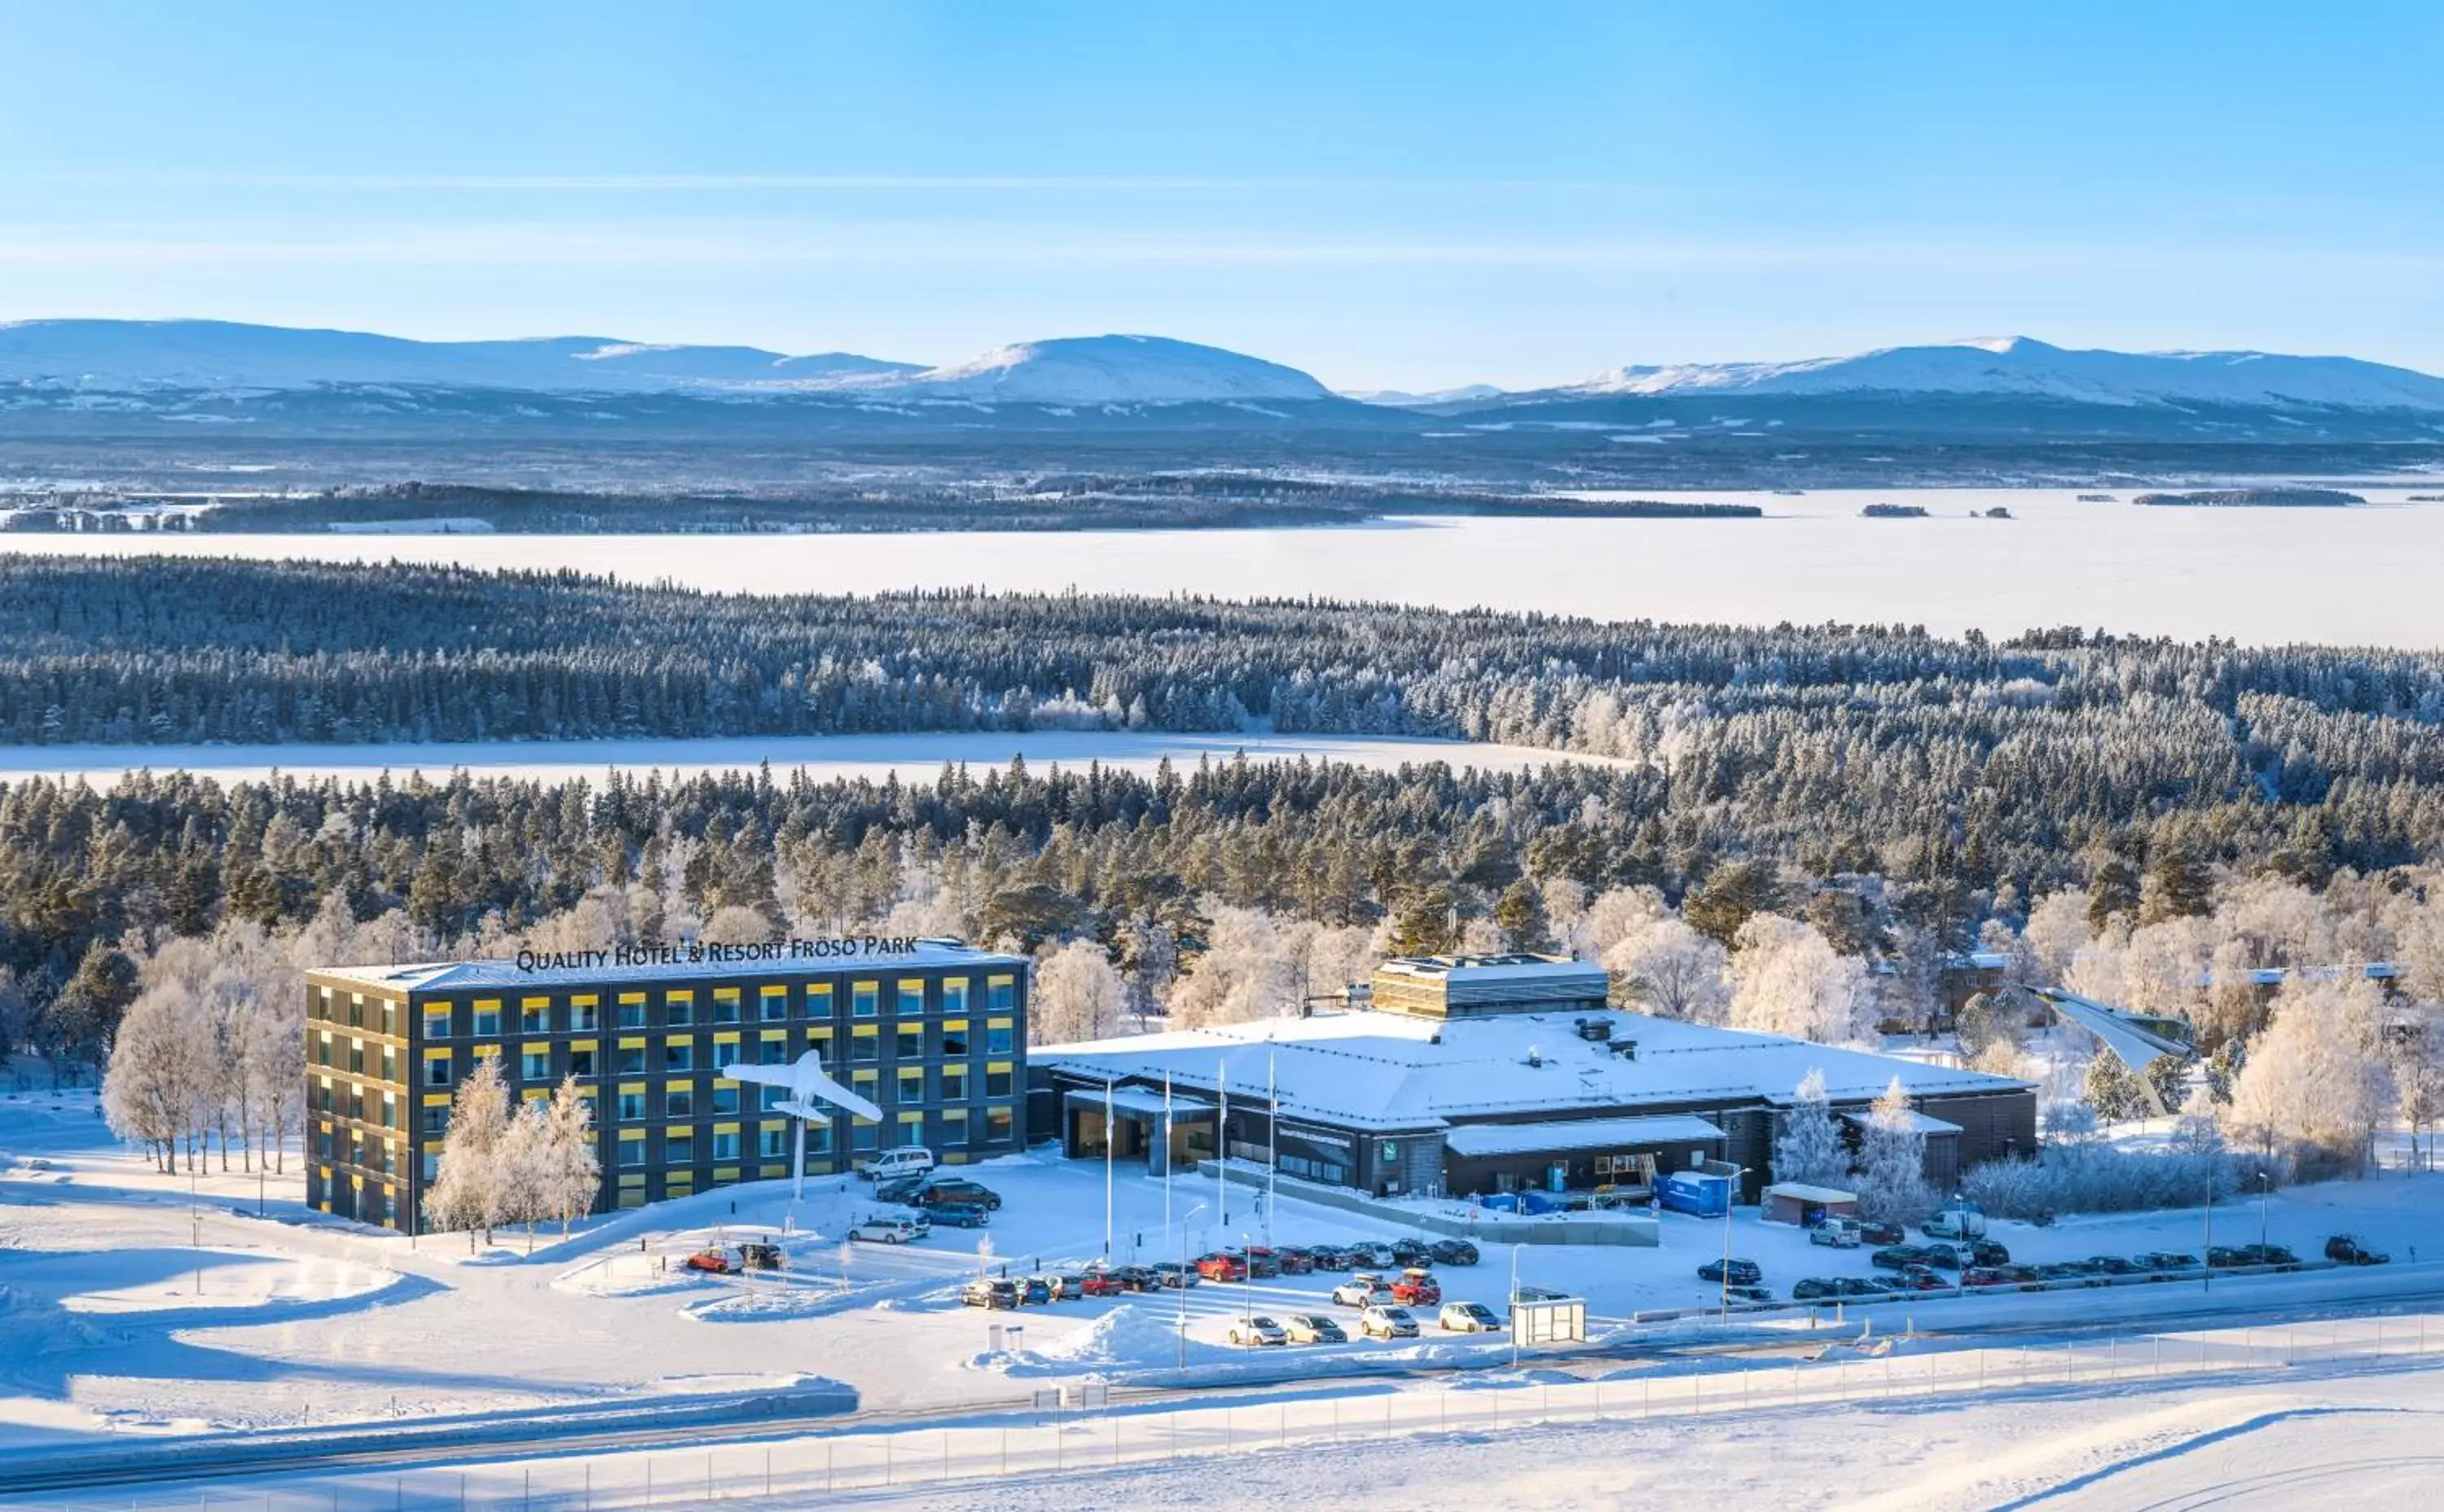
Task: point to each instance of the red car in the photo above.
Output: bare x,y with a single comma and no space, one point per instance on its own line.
1921,1278
1416,1287
1096,1284
1294,1260
1221,1265
713,1260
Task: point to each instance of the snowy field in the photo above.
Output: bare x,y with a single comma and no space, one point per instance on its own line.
915,758
114,1323
2255,575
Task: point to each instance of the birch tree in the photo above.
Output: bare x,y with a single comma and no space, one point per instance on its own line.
1892,1165
473,1190
1807,1147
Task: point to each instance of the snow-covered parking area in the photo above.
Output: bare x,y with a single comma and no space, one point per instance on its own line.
114,1318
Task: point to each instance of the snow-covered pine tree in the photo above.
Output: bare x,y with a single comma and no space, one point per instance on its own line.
1807,1146
470,1192
1892,1165
2113,1089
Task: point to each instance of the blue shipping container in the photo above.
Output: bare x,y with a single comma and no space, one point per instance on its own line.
1693,1191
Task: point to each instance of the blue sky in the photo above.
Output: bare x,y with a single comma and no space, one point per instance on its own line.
1412,195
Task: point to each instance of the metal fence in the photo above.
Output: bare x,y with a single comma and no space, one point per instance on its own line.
1077,1431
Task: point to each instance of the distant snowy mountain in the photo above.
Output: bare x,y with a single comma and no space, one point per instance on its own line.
1107,370
2020,368
1466,394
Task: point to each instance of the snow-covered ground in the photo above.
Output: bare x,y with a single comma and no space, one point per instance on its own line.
916,758
113,1321
2266,576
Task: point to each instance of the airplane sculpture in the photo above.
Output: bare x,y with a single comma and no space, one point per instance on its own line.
812,1094
2138,1039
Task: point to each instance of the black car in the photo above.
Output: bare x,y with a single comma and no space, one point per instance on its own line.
2274,1255
2224,1257
2345,1250
1849,1286
1135,1278
2113,1265
1453,1252
1815,1288
1897,1257
1736,1272
1749,1294
1407,1251
1942,1257
1330,1257
900,1188
1881,1233
1987,1252
934,1193
2160,1261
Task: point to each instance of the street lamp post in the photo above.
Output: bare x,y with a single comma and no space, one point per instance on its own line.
1514,1304
1248,1282
1182,1240
2264,1189
1730,1200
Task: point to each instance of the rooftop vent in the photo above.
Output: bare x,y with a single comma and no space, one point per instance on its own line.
1535,1057
1596,1030
1626,1049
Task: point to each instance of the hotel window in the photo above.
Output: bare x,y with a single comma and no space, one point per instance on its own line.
680,1149
436,1071
819,1000
534,1016
724,1096
580,1061
955,1036
632,1060
679,1007
997,1125
954,1083
678,1102
356,1011
390,1063
819,1137
865,1045
725,1005
323,1140
389,1017
679,1055
773,1003
534,1064
432,1164
1001,993
820,1042
487,1018
631,1106
955,1127
390,1110
632,1010
436,1020
955,994
866,1136
584,1015
912,999
998,1036
632,1150
769,1098
774,1144
724,1146
436,1118
322,1048
774,1052
998,1079
864,999
725,1054
912,1088
356,1058
910,1044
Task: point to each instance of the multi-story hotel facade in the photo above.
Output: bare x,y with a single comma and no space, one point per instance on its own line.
933,1032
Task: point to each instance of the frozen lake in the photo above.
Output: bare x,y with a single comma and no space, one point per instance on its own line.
916,758
2259,575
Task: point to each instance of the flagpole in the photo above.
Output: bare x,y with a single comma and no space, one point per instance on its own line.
1273,1138
1166,1149
1110,1124
1222,1132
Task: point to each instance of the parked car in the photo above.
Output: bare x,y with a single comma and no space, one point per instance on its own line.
2345,1250
1921,1278
1070,1285
899,1160
1942,1257
1453,1252
1387,1322
1314,1328
1983,1275
1897,1257
898,1188
1263,1262
1835,1233
1136,1278
1361,1290
1862,1286
987,1293
1296,1260
2113,1265
960,1214
2064,1270
1258,1331
713,1262
1330,1257
1221,1265
1416,1287
1987,1252
1749,1293
934,1193
2224,1257
2274,1255
2160,1261
1814,1289
1957,1219
1881,1233
888,1229
1034,1291
1468,1318
1739,1272
1373,1253
1410,1250
1172,1276
760,1254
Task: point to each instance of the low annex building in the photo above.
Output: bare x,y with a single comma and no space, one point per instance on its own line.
1481,1075
933,1032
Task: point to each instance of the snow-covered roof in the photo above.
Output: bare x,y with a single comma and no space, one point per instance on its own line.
1918,1123
1145,1100
1392,1071
454,976
1457,968
1577,1134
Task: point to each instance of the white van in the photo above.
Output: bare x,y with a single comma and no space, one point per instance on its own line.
899,1160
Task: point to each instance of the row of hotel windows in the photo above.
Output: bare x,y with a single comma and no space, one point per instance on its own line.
951,1040
582,1013
909,1088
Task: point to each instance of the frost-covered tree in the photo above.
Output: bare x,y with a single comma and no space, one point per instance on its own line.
523,1166
2056,932
737,924
474,1190
1892,1161
2317,1077
1786,979
1664,967
572,1176
163,1072
1807,1146
2112,1089
1077,996
2415,1048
